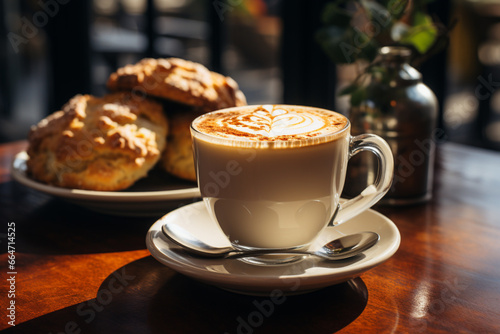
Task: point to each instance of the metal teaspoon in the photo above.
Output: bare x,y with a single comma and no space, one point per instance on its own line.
338,249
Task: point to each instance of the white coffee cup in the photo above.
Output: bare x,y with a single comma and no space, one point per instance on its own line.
271,176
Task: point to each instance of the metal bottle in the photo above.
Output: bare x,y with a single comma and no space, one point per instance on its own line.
397,106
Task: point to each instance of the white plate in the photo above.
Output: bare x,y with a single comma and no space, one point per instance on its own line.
235,275
152,196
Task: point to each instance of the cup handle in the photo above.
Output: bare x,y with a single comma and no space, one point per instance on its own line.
374,192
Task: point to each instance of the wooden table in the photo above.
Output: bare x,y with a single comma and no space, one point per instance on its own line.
82,272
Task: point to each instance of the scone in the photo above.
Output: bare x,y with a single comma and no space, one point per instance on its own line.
178,80
97,143
178,156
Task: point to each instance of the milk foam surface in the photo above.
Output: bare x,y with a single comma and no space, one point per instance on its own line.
270,123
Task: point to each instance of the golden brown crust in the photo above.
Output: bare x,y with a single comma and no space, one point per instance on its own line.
178,80
98,143
178,156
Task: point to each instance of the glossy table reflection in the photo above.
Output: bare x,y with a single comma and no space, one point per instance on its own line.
82,272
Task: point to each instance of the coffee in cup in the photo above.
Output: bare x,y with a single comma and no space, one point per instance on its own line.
271,176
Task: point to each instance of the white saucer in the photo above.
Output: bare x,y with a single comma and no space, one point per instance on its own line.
309,274
151,196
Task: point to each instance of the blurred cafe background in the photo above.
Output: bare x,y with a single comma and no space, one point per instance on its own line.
54,49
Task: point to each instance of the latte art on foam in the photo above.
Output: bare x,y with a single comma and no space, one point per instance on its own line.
270,123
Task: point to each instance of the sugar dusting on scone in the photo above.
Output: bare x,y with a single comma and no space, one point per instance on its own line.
98,143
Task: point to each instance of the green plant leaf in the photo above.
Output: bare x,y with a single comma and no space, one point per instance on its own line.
422,35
